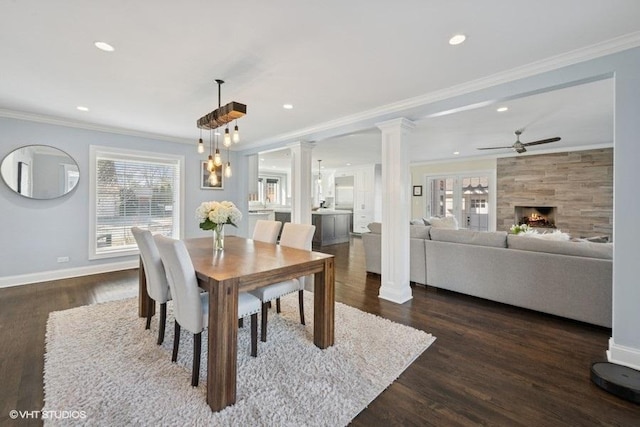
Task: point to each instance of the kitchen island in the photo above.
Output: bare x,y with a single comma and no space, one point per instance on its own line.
332,226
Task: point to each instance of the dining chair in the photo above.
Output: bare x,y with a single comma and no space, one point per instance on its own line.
157,285
191,307
266,231
297,236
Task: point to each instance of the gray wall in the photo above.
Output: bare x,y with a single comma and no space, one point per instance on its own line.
34,233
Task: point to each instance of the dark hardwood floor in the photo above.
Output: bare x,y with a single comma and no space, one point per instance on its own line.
491,364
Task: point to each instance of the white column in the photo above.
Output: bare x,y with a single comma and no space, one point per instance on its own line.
301,182
624,345
396,210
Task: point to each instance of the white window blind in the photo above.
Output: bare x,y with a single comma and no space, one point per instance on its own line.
132,191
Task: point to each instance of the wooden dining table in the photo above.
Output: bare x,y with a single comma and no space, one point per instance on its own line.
244,265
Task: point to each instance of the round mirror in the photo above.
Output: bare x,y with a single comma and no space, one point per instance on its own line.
40,172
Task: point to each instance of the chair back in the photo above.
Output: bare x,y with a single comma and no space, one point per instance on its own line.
266,231
187,305
157,285
297,236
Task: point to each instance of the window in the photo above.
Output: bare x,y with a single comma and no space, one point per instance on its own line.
467,197
270,190
132,189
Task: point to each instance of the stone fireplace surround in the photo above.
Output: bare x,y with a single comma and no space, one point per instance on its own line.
579,184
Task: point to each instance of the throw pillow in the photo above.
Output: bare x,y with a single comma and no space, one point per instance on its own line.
449,222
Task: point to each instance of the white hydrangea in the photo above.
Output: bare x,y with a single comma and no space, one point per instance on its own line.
217,213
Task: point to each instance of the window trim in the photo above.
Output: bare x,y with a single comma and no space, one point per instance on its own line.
96,151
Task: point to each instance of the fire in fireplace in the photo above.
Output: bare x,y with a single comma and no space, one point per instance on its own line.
536,216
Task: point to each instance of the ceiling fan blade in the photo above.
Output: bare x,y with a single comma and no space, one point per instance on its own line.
542,141
493,148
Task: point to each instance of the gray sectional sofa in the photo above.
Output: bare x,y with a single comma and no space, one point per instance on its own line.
568,279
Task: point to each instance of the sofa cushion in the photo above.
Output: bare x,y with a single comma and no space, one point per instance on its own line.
375,227
584,249
449,222
495,239
419,231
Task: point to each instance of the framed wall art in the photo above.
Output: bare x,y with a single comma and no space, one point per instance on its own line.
205,183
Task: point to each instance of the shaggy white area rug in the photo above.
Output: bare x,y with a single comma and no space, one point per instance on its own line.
103,364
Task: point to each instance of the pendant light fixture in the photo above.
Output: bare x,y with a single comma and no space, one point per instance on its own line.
200,144
227,168
227,137
210,165
236,134
217,158
220,117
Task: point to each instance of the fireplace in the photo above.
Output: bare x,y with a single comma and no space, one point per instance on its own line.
536,216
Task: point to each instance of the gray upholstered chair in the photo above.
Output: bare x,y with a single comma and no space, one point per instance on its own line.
297,236
190,306
157,285
266,231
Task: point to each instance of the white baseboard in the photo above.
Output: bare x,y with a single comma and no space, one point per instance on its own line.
625,356
45,276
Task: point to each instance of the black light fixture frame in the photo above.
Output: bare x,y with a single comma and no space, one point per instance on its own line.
223,114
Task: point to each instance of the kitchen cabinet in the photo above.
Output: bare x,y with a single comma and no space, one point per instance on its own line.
332,227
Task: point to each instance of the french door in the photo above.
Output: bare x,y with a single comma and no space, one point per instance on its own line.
466,197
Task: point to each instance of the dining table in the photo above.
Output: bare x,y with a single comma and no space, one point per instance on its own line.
244,265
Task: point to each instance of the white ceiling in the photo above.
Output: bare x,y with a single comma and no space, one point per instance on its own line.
330,59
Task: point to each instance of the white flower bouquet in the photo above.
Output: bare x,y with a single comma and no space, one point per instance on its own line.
213,215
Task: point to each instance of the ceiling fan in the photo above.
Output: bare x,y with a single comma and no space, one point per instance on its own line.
520,147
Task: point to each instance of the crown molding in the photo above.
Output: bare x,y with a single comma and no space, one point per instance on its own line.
385,112
511,153
59,121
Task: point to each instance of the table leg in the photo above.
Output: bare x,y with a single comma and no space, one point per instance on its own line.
324,305
223,343
143,296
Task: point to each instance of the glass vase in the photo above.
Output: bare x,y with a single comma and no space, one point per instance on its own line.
218,238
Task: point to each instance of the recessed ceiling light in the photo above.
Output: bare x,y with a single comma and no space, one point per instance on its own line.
502,109
262,159
455,153
82,108
348,164
104,46
287,106
457,39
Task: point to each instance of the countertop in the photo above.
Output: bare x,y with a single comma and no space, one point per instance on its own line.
330,212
